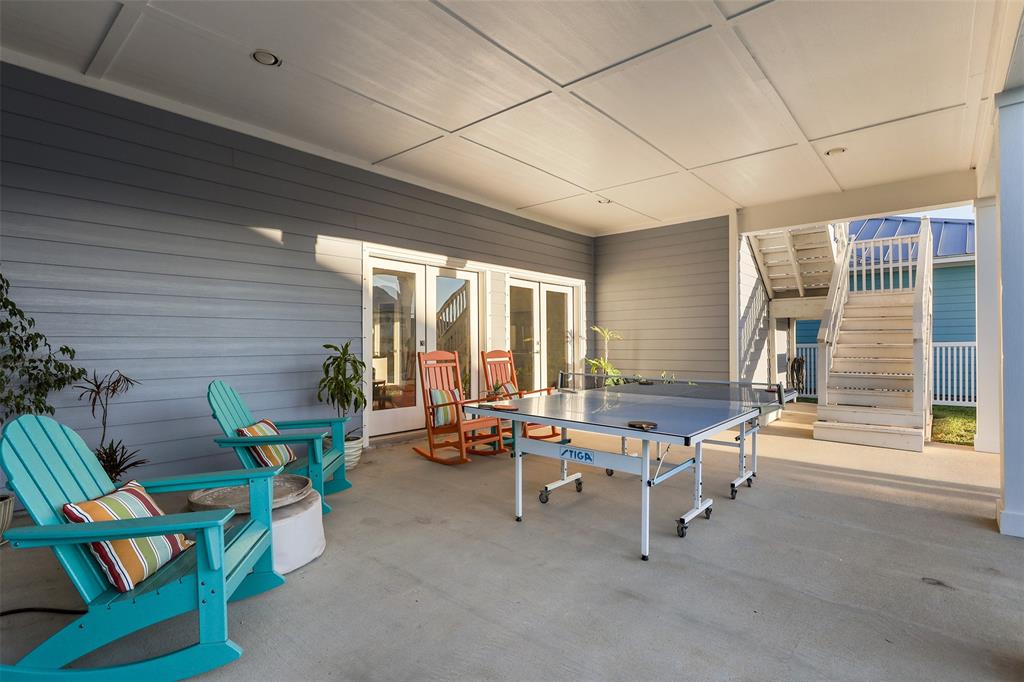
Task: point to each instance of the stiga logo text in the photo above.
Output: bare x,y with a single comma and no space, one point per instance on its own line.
576,455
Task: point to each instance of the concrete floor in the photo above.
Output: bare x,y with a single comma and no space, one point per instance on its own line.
840,563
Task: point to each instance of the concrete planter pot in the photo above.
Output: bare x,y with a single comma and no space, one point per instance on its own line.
353,450
6,513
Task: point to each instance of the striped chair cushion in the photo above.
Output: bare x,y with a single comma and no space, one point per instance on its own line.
267,455
445,415
126,563
509,389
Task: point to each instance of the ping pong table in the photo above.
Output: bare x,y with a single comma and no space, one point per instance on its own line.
662,412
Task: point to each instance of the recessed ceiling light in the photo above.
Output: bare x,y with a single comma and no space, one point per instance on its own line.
266,58
604,201
835,151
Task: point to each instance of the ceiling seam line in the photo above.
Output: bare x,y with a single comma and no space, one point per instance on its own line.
900,119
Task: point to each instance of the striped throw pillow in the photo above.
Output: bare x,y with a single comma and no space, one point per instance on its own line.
268,455
445,415
509,389
126,563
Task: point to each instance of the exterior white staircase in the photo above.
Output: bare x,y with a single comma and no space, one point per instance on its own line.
796,262
874,345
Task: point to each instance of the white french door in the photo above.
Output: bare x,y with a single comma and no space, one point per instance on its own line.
540,331
413,308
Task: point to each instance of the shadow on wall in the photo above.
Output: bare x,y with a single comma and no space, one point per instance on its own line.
753,331
179,304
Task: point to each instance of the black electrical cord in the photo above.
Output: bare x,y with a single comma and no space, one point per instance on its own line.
43,609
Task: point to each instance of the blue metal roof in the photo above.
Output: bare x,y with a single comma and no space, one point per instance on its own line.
950,238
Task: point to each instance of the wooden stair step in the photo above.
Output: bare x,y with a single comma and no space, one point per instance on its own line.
902,351
871,398
869,415
896,437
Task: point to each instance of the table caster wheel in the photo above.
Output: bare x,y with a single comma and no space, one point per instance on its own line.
750,482
732,493
681,529
544,497
707,513
579,485
643,557
610,472
519,519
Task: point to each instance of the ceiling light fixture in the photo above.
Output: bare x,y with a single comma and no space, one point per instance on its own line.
604,201
835,151
266,58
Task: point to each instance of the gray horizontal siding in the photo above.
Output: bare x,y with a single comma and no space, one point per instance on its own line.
666,291
180,252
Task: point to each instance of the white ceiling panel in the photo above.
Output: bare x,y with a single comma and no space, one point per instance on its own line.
693,101
923,145
569,139
189,66
67,33
584,214
772,176
464,165
844,64
409,55
676,196
568,40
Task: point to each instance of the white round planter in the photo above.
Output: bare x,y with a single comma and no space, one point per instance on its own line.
353,451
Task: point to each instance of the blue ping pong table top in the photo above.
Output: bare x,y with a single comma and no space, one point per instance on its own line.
682,411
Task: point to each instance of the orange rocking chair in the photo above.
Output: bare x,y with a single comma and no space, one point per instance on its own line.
500,381
443,400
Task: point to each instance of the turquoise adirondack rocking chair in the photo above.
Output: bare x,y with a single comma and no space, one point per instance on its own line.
324,469
48,464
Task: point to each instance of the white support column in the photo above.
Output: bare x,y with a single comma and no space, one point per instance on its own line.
1011,219
734,297
988,323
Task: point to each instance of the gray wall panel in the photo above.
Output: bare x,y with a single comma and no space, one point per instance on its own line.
666,291
178,252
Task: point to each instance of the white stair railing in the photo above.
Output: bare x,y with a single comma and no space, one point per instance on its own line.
832,318
886,265
923,325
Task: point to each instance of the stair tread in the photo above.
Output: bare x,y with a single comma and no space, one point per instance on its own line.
870,427
850,373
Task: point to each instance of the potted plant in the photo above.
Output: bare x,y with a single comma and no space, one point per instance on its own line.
114,456
342,386
30,371
601,364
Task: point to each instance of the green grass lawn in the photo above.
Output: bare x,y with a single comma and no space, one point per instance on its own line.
954,425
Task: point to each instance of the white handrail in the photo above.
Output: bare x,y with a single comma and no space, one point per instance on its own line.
922,323
838,291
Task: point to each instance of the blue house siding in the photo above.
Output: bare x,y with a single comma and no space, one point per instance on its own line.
953,304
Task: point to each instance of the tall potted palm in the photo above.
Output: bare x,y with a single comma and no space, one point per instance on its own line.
342,386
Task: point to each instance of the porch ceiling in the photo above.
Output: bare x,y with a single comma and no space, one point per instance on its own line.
660,111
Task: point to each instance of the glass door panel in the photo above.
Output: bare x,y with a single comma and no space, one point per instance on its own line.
397,335
455,320
558,339
524,320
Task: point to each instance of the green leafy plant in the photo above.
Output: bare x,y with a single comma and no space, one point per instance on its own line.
29,368
114,456
342,382
116,459
601,364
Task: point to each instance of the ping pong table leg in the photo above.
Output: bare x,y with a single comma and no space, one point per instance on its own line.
745,474
753,453
645,499
517,453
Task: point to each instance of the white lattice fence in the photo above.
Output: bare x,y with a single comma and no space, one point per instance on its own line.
955,378
809,352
